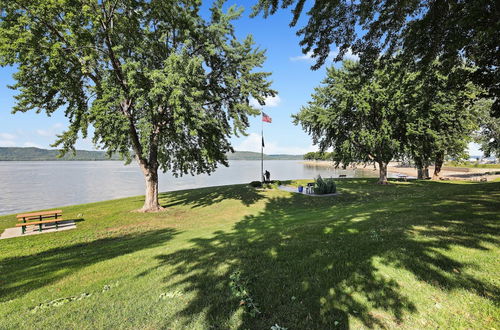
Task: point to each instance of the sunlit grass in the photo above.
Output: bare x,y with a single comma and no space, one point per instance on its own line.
412,255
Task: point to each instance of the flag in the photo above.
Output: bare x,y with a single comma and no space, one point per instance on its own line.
266,118
263,142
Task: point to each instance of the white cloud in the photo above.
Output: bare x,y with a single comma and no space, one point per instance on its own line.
271,101
304,57
309,56
347,56
52,131
31,144
42,132
7,140
7,143
7,136
253,142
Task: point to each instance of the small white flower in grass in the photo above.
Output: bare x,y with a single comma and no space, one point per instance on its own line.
277,327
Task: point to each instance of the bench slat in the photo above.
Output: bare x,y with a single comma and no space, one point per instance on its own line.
52,216
38,222
26,215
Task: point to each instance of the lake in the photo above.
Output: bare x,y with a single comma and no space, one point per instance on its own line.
28,186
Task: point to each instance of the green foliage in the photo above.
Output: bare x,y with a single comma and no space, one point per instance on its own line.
153,77
255,184
356,115
239,289
318,155
420,30
439,113
324,186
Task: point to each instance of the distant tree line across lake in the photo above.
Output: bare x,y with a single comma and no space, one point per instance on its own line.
38,154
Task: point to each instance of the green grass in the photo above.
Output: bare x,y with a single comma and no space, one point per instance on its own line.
410,255
471,165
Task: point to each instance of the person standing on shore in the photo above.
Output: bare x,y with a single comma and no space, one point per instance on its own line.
267,175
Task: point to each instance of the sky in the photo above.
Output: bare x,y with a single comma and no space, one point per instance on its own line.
291,76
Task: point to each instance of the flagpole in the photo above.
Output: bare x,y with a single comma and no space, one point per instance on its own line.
261,147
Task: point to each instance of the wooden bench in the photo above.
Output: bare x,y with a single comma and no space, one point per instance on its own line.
52,216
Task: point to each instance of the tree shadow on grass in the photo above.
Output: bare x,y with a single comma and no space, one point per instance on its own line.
212,195
313,267
20,275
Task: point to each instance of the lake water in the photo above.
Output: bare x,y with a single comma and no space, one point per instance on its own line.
27,186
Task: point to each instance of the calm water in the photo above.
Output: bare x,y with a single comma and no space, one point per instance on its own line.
26,186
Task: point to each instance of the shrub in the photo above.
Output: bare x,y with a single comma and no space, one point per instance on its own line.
256,184
324,186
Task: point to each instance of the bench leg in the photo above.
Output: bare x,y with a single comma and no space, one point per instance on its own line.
57,225
40,227
23,228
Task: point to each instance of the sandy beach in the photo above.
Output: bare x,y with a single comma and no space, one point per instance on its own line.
447,173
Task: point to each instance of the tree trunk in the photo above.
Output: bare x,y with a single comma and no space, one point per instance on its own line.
420,173
382,173
426,172
438,165
151,203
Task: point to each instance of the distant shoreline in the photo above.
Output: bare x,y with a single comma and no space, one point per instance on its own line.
452,173
37,154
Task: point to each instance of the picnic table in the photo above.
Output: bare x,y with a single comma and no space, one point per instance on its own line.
402,177
39,218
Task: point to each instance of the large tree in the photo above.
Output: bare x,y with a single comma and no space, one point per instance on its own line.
154,79
423,30
440,117
358,116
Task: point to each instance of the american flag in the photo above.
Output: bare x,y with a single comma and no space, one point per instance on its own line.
266,118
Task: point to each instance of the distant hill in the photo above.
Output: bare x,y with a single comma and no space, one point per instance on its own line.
31,154
45,154
249,155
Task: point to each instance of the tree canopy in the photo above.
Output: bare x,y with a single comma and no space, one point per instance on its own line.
151,77
439,115
391,114
451,30
357,116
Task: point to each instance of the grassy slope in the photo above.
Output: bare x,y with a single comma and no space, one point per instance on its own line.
413,255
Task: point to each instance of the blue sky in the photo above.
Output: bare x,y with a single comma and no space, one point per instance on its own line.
291,76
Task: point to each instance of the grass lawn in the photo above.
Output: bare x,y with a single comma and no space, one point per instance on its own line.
410,255
472,165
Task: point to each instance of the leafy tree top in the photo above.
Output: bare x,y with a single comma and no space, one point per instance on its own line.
424,30
439,115
356,115
149,76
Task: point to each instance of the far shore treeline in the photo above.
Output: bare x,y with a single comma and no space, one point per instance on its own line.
34,154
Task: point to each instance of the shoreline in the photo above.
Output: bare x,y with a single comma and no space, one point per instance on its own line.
447,173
